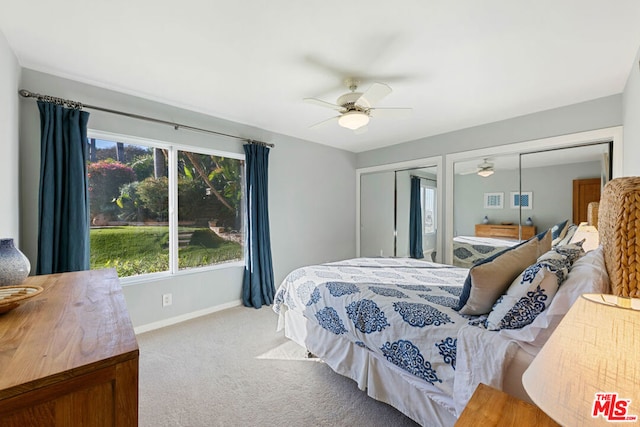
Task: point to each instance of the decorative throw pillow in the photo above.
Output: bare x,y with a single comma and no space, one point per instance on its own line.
530,293
488,279
588,275
568,235
558,231
573,251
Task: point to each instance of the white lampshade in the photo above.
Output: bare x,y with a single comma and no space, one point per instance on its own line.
353,120
485,172
594,350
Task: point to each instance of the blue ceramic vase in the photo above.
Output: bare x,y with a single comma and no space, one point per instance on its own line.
14,265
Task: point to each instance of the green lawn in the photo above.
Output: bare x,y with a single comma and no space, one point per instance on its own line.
134,250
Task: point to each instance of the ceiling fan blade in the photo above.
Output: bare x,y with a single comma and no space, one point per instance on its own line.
324,122
396,113
322,103
469,172
375,93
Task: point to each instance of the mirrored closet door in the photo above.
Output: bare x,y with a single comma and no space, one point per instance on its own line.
557,185
399,213
500,200
377,210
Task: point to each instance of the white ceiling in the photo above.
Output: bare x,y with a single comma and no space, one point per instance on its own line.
456,63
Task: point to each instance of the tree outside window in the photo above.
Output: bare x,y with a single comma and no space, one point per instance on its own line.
131,226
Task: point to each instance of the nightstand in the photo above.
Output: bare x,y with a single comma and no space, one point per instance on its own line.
490,407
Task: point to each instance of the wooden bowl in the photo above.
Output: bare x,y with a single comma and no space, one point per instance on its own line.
13,296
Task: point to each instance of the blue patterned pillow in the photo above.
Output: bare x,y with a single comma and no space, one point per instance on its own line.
530,293
573,251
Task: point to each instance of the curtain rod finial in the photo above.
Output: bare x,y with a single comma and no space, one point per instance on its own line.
24,93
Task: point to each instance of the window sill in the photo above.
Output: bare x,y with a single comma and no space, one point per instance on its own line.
155,277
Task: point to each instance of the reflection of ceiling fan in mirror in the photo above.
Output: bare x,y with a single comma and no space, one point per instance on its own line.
484,169
356,108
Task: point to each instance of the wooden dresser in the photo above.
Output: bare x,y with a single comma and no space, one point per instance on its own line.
505,231
69,356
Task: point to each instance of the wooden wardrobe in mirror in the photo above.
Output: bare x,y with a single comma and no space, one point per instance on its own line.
585,191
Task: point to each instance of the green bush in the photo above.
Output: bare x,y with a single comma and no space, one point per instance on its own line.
154,195
143,165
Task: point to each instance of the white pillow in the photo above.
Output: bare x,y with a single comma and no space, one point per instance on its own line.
588,275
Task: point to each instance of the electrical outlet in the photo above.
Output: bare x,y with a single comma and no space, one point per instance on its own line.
167,299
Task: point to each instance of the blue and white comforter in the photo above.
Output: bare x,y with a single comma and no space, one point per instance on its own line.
400,309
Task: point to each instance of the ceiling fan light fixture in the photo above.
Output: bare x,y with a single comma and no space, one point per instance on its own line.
353,120
485,172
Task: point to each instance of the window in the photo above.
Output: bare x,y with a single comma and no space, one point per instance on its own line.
429,208
157,208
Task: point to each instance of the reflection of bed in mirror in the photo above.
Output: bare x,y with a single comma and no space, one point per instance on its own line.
489,239
467,250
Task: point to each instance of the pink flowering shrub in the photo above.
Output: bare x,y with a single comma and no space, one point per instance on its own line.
105,179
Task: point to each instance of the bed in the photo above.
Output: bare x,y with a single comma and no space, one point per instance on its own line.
398,327
468,250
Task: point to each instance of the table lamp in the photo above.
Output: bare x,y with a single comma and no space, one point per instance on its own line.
588,372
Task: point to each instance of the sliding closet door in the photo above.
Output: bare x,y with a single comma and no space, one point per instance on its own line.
377,214
546,194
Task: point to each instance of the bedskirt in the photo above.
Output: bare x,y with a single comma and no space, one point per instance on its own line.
417,399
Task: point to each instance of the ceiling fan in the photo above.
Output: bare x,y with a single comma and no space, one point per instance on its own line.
484,169
356,108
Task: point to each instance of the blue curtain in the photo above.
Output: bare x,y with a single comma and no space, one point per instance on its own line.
257,286
415,220
63,218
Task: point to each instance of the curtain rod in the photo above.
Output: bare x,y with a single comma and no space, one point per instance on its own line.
79,106
422,177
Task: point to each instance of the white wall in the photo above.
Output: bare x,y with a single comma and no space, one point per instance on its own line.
9,171
311,193
596,114
631,117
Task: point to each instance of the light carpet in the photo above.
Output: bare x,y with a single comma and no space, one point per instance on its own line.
232,368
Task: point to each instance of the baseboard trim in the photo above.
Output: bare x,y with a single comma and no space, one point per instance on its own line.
184,317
